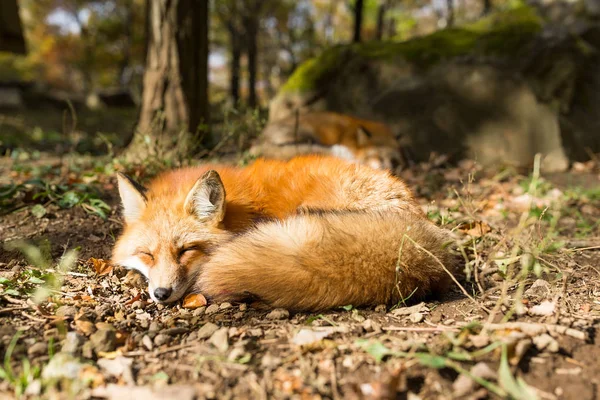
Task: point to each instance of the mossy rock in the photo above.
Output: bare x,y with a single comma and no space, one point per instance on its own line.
503,34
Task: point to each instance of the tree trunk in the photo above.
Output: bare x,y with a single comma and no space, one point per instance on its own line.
450,13
487,7
175,96
380,19
251,30
124,76
236,56
358,16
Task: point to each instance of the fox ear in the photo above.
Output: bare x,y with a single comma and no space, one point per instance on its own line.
363,136
132,196
206,200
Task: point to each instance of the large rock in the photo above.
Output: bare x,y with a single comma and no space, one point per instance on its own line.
499,91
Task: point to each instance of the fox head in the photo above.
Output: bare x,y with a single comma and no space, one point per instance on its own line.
368,152
170,231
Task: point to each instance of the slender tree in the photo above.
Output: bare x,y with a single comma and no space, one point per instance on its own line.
358,17
229,15
381,10
450,13
175,94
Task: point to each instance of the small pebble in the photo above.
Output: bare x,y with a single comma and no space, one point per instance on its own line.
161,339
155,326
147,342
416,317
198,312
66,311
207,330
224,306
382,308
38,349
213,308
243,307
72,343
278,314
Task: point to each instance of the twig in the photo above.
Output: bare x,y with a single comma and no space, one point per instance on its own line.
334,389
583,244
11,309
535,329
31,317
159,352
419,329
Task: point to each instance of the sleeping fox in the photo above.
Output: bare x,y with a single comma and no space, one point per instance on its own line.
366,142
307,234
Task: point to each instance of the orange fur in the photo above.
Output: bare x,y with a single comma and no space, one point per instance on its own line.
311,233
367,142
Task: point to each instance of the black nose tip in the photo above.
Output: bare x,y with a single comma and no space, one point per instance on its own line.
162,293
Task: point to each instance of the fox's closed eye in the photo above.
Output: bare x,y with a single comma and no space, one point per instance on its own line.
146,253
186,250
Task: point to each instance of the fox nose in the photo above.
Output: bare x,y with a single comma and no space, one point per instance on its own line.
162,293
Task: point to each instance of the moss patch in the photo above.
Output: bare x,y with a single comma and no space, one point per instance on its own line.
504,34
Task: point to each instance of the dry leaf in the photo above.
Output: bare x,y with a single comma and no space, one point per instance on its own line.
101,267
475,229
194,300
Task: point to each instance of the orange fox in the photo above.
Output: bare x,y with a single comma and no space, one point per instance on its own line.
363,141
307,234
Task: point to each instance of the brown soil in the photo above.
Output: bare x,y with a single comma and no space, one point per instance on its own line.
252,354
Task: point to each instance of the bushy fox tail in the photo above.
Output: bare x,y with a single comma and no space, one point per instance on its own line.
317,261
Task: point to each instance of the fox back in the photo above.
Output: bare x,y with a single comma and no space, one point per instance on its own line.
367,142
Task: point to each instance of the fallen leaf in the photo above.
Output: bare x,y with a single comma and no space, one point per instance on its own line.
194,300
101,267
475,228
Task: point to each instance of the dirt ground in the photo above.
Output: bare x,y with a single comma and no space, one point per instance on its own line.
524,325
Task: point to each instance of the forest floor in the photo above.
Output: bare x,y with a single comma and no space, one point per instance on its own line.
524,325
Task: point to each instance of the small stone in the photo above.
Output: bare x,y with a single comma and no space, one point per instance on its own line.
539,288
243,307
174,331
104,340
464,384
147,342
62,366
207,330
382,308
220,340
371,326
546,342
213,308
160,307
278,314
85,327
238,315
38,349
87,350
66,311
416,317
72,343
270,361
449,321
155,326
34,388
198,312
161,339
137,304
225,306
